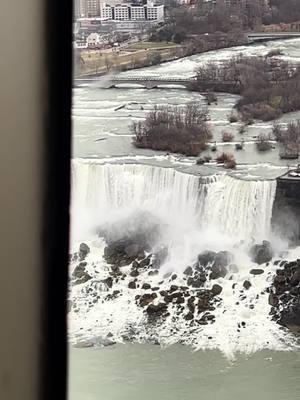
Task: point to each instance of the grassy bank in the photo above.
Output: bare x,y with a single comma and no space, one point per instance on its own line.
137,55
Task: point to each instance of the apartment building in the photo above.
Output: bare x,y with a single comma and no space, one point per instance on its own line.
133,12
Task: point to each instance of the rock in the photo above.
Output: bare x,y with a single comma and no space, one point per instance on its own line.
108,281
152,273
261,253
132,285
173,288
256,271
132,250
83,251
147,298
217,271
146,286
79,270
157,309
189,316
206,257
273,300
216,289
279,279
134,273
135,265
188,271
247,285
290,317
173,277
295,280
195,282
145,262
222,259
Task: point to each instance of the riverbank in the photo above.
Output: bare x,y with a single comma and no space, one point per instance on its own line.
146,54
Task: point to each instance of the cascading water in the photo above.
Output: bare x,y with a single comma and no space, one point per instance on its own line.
232,206
196,213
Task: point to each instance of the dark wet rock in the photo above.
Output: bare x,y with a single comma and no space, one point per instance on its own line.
256,271
134,273
284,296
195,282
217,271
132,285
247,285
295,279
188,271
135,265
189,316
155,288
79,270
173,288
222,259
216,290
273,300
290,316
147,298
153,273
173,277
157,309
190,304
108,282
279,279
206,257
145,262
146,286
133,250
261,253
83,251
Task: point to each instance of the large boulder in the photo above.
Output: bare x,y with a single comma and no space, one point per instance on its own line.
261,253
206,257
223,258
83,251
290,317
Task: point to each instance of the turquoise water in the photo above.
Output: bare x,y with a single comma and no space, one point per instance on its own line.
147,372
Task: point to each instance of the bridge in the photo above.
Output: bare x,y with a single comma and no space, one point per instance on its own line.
266,36
149,82
153,82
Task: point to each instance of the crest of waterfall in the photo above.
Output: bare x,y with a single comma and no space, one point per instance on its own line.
103,192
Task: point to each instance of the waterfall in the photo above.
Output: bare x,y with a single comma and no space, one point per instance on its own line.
232,206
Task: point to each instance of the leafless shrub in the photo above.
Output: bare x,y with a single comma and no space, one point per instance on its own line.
263,143
227,137
172,128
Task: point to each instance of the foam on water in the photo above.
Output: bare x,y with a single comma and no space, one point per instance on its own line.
196,214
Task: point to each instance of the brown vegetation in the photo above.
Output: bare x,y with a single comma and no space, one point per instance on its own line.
176,129
227,159
268,87
227,137
263,143
289,139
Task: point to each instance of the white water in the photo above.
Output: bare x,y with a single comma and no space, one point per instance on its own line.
106,192
195,214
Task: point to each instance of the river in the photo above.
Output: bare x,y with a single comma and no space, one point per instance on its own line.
111,181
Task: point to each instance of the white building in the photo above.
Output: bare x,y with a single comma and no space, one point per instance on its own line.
121,12
93,40
133,12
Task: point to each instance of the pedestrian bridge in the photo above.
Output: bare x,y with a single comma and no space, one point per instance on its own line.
266,36
149,82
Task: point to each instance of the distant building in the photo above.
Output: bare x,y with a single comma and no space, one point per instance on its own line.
93,40
133,12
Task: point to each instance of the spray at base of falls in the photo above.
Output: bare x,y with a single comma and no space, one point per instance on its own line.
195,214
